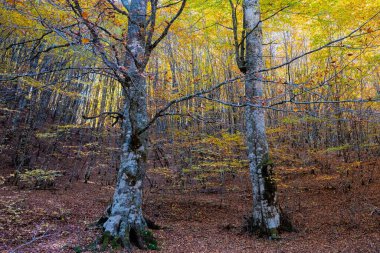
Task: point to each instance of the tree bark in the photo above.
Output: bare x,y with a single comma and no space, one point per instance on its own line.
125,220
125,217
266,213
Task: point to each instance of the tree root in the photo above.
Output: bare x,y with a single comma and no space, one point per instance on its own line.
151,224
142,239
251,227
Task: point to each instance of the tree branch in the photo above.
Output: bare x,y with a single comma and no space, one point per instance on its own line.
167,28
321,47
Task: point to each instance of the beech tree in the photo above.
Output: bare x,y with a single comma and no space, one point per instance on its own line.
249,57
266,215
122,56
125,220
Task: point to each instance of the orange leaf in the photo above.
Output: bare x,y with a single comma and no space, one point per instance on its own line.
85,40
84,15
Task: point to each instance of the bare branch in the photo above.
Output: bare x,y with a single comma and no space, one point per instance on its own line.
167,28
336,101
114,6
239,54
103,114
119,116
322,47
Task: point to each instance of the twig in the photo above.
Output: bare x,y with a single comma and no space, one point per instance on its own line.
30,242
119,116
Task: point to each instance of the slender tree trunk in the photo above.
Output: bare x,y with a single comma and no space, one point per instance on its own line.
266,213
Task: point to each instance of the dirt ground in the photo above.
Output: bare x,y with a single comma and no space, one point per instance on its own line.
332,213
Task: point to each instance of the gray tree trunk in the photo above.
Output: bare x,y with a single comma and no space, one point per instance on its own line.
125,215
125,218
266,213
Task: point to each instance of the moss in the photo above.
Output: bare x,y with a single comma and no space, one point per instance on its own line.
149,240
116,243
105,240
143,239
260,230
152,246
273,232
269,183
92,247
108,240
77,249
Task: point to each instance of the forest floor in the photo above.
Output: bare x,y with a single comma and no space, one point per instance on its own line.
331,213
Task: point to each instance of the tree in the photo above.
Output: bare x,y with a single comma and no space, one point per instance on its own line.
266,212
249,57
125,214
125,219
266,217
123,57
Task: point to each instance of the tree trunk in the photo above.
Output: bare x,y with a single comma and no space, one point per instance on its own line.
125,217
266,213
125,220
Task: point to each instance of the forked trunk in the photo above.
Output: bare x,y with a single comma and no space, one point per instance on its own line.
266,213
125,222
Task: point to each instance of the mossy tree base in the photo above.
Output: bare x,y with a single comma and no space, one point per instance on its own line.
142,239
259,229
